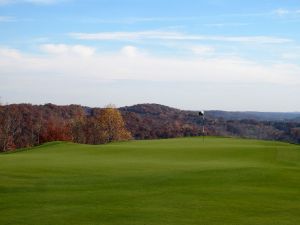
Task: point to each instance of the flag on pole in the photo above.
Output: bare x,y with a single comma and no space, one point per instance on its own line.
201,113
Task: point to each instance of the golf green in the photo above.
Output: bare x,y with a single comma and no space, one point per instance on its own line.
221,181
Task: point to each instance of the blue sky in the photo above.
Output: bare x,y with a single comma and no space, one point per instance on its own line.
217,54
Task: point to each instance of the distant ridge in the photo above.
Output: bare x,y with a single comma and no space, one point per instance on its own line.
152,121
228,115
147,121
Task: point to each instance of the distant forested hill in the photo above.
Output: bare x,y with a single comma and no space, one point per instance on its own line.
147,121
261,116
24,125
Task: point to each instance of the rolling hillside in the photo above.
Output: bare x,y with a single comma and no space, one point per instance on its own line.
24,125
151,121
221,181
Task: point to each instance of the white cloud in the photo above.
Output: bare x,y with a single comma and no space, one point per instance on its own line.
253,39
281,12
9,53
202,49
290,56
55,48
124,35
60,49
63,61
128,77
163,35
130,51
3,2
7,19
130,20
225,24
286,12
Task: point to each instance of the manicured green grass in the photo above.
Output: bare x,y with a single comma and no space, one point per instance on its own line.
222,181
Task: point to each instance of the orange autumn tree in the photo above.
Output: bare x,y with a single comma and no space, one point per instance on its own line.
112,125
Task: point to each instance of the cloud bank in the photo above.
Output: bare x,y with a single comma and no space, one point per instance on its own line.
130,63
163,35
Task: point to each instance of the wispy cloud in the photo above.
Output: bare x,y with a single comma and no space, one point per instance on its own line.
72,62
226,24
291,56
163,35
62,49
281,12
9,53
123,35
67,76
7,19
202,49
3,2
285,12
130,20
199,19
39,2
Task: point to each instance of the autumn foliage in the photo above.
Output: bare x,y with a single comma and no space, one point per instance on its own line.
25,125
105,126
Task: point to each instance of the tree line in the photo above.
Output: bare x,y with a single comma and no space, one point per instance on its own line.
26,125
151,121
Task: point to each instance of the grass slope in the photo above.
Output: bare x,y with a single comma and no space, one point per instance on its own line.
177,181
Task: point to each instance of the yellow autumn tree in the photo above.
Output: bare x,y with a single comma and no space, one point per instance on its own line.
112,125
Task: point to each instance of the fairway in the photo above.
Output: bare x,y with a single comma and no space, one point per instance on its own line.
223,181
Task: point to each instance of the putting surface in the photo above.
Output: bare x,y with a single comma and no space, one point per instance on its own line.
223,181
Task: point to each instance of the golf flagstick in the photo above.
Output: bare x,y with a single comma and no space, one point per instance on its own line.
201,113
